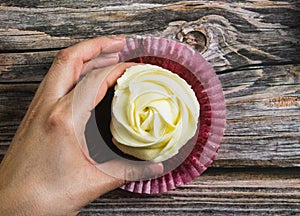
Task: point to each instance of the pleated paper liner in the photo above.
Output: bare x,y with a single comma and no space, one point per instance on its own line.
191,66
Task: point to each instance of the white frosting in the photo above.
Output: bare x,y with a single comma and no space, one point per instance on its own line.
154,113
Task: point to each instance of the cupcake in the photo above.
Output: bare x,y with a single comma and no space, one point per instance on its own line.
154,113
186,150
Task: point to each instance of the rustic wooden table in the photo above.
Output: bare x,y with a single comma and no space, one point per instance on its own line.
254,48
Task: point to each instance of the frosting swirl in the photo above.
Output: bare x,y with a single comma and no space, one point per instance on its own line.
154,113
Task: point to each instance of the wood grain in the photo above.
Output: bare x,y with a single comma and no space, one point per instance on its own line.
247,29
254,48
255,54
216,192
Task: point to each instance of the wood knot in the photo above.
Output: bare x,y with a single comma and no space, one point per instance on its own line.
282,102
195,37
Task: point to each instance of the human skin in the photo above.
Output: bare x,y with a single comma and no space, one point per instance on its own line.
46,170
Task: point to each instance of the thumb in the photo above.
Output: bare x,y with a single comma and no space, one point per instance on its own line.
125,170
113,174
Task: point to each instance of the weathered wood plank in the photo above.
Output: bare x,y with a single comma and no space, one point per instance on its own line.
242,32
14,40
262,120
77,4
216,192
25,67
229,35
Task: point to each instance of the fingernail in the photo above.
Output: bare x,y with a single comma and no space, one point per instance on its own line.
110,55
154,169
118,37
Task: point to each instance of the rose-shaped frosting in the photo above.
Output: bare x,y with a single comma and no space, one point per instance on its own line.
154,113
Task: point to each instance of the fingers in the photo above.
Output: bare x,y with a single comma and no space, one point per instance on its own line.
92,88
103,60
70,62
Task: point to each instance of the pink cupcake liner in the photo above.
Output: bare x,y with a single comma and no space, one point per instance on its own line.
191,66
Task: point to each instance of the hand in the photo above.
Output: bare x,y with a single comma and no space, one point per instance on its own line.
47,170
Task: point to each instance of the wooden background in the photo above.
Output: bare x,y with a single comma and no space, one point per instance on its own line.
254,48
